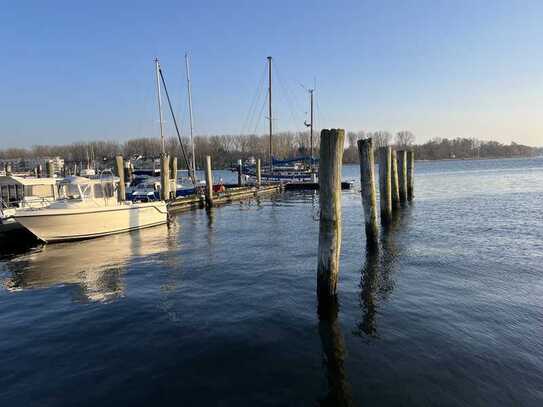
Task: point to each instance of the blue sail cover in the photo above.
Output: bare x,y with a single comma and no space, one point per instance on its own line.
305,158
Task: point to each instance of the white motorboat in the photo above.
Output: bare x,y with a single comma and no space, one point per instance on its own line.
89,208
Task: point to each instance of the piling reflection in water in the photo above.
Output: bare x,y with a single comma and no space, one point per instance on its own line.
333,347
377,281
96,266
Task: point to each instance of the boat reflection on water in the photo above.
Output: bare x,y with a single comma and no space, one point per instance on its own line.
97,266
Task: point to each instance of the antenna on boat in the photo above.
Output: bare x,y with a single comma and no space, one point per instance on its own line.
270,109
189,89
161,119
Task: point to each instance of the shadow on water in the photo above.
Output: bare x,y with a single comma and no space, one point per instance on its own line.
333,347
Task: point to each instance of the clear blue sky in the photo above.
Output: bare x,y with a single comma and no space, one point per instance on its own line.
79,71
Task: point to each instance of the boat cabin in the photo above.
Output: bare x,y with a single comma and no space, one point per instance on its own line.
74,187
20,191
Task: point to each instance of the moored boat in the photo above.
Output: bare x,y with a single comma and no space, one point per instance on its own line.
89,209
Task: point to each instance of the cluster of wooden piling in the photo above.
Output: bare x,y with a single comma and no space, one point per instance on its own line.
396,188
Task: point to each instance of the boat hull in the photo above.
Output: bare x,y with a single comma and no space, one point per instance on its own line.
64,225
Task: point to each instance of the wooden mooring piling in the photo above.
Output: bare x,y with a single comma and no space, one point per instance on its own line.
394,181
119,165
410,174
367,190
402,175
385,183
331,155
209,182
165,177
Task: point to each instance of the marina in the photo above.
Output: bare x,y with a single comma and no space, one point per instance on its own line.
271,204
220,316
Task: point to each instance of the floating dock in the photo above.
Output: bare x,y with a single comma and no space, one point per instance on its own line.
231,194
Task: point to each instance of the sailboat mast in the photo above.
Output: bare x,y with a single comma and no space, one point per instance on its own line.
270,108
311,127
189,89
160,117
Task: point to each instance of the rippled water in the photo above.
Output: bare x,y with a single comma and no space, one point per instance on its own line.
219,308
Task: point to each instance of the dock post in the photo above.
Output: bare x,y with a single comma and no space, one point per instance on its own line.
331,156
410,175
173,176
395,184
127,172
367,183
209,182
38,171
258,173
402,175
240,172
120,173
165,177
7,169
49,169
385,184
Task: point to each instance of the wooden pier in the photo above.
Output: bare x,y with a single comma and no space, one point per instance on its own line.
232,194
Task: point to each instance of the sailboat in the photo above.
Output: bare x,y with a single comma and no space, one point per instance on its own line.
296,169
91,208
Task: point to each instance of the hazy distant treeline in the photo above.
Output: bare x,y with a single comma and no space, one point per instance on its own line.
226,149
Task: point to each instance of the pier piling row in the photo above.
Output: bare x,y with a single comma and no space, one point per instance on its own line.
367,184
385,183
331,156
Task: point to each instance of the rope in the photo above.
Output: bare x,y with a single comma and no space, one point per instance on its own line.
191,175
258,121
288,99
252,109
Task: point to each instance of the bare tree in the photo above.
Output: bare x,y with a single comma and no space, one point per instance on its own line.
404,139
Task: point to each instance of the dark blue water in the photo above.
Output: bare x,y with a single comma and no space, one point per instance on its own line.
220,308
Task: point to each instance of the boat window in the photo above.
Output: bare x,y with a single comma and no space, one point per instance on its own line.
71,191
104,190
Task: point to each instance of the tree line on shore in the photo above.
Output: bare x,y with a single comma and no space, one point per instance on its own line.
227,149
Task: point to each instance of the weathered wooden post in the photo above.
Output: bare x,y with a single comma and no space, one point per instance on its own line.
7,169
258,173
165,177
395,184
49,169
173,176
127,172
331,156
240,172
402,175
119,164
209,182
367,183
385,183
410,175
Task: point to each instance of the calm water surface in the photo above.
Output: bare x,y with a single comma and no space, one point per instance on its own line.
220,308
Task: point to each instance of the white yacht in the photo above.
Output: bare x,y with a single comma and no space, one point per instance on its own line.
89,208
